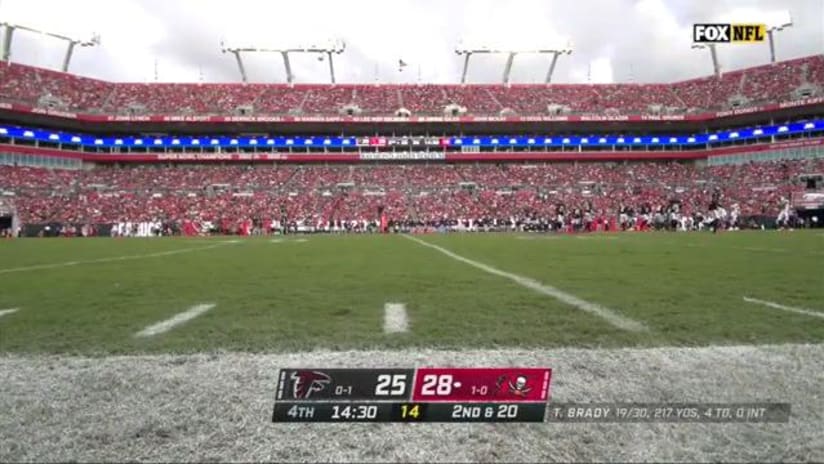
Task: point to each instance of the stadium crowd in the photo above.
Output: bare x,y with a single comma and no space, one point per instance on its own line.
782,81
259,199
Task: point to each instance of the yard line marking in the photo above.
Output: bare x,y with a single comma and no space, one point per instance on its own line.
275,240
4,312
808,312
771,250
178,319
593,308
301,240
107,260
394,318
757,249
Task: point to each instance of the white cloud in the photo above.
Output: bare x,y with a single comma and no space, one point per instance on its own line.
756,15
649,39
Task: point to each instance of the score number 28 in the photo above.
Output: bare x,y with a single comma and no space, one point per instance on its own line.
433,385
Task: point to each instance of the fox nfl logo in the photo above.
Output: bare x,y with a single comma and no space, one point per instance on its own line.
729,33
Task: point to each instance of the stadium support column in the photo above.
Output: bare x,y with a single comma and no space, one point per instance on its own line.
465,67
95,40
715,66
7,36
288,67
240,66
551,67
68,57
785,20
331,66
333,47
508,67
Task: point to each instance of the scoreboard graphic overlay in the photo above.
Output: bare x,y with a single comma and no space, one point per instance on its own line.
412,395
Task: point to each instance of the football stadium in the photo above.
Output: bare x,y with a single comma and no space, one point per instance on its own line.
575,268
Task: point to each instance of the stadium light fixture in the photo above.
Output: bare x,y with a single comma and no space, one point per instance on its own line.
554,51
784,23
8,35
715,66
332,47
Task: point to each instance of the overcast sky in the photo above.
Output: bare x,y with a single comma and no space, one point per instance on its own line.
613,40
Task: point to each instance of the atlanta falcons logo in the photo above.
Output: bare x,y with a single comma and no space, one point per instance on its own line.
304,383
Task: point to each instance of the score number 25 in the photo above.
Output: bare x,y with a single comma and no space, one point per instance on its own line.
391,385
395,385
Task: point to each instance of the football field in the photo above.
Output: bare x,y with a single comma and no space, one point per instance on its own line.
168,348
300,293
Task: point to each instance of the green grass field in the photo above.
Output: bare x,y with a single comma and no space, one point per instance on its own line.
203,390
91,296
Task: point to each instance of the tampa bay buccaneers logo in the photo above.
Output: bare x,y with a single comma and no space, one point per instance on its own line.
517,386
304,383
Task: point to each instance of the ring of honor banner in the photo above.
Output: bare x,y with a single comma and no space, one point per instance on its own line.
412,395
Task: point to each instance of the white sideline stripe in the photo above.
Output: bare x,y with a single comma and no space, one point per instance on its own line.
808,312
4,312
178,319
601,311
107,260
394,318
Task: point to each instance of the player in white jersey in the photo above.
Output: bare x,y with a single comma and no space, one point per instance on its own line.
783,219
735,213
